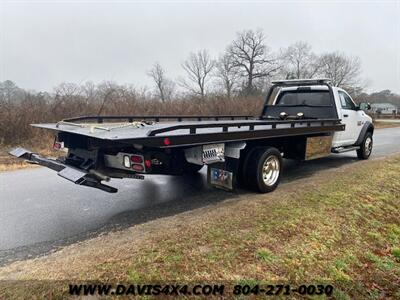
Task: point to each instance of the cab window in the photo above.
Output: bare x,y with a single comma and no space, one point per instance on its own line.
346,101
304,98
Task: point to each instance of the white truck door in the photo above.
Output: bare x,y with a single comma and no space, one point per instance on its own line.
351,117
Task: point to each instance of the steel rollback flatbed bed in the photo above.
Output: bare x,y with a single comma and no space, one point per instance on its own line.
233,147
183,133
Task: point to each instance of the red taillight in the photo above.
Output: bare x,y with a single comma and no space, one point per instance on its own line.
137,159
147,162
167,142
137,162
138,167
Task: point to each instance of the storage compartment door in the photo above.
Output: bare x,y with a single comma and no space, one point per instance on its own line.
318,146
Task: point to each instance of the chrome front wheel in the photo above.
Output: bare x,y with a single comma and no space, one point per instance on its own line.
368,146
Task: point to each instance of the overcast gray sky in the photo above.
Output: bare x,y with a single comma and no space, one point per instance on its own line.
44,43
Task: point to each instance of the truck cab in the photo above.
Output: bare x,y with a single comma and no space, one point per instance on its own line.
316,100
352,116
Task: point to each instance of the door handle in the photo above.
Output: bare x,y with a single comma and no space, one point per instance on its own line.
345,116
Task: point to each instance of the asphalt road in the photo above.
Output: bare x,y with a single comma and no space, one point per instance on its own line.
39,211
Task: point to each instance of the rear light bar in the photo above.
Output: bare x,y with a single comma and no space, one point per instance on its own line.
136,162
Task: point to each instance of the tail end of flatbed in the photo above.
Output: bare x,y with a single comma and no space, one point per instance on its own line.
75,175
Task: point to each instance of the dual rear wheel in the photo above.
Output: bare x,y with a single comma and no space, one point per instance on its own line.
262,169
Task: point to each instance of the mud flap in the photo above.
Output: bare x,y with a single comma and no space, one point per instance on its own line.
77,176
223,175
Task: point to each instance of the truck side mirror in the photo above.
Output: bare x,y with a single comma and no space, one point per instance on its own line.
365,106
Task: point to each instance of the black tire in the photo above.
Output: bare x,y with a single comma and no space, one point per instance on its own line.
366,147
255,176
190,168
241,176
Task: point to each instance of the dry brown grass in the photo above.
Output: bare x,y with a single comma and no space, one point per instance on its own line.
16,166
9,162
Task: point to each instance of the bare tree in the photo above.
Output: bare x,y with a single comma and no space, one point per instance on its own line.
299,61
64,94
89,92
227,73
67,89
343,70
165,87
198,68
10,92
253,59
107,90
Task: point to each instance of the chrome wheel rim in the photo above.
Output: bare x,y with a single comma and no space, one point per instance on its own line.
270,170
368,146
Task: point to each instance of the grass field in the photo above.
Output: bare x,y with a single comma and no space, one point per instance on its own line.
379,124
340,227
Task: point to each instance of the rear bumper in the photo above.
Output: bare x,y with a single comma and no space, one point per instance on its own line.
75,175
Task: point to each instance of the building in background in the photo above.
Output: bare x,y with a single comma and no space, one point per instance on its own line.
384,108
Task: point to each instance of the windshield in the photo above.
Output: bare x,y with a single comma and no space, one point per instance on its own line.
303,98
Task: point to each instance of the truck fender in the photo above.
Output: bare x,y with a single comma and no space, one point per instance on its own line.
367,127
